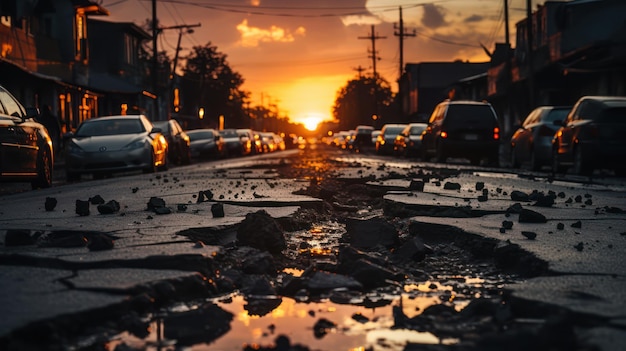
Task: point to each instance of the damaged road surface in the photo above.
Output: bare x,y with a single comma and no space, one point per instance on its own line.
316,249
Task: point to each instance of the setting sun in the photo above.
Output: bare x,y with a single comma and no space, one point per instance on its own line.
311,122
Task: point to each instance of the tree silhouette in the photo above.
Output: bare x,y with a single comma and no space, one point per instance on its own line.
366,100
209,82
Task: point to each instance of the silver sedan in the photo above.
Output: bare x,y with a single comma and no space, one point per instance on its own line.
106,145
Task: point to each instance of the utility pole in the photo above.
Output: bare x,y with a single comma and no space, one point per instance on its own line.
529,51
374,56
188,28
360,70
155,66
401,33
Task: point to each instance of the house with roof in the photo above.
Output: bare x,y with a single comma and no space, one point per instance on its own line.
50,56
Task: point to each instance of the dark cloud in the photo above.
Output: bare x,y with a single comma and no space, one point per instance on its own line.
474,18
433,16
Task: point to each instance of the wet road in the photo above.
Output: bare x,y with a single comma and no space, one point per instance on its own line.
375,253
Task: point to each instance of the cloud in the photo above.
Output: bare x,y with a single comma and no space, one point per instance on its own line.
474,18
433,16
359,20
253,36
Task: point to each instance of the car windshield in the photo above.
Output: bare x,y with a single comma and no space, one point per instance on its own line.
417,129
110,127
199,135
613,115
394,130
476,116
229,133
556,115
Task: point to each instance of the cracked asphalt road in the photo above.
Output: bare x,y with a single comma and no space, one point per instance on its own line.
562,275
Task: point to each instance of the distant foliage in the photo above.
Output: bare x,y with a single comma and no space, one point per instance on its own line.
361,99
209,82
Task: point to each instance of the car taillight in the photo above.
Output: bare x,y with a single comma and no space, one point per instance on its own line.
496,133
443,135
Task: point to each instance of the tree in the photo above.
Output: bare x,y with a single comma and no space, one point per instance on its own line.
366,100
210,83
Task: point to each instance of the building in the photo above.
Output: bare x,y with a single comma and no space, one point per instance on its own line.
426,84
51,56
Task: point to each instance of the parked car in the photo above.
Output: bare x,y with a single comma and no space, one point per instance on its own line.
464,129
409,142
233,143
111,144
592,136
375,134
206,143
385,141
247,137
532,141
26,152
269,142
177,141
363,136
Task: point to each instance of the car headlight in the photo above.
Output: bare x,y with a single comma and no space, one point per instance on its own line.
74,149
137,144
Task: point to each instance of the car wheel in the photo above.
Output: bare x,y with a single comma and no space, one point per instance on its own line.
515,163
534,163
440,155
556,165
72,176
151,168
581,165
44,170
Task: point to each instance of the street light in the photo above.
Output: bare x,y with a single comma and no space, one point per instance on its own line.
201,113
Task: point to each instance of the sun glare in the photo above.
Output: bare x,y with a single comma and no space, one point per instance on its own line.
311,123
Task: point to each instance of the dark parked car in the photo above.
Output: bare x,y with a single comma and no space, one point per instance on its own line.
26,153
177,141
363,137
466,129
385,141
409,142
532,141
593,136
110,144
206,143
234,144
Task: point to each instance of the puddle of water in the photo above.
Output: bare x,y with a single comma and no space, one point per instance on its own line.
371,330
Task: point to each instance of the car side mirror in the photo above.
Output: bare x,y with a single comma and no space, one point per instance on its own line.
217,138
156,130
68,135
32,112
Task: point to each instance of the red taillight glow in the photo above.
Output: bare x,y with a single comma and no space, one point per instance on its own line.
443,135
496,133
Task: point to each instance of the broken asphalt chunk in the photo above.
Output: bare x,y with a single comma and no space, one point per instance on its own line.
108,208
96,200
530,216
577,224
529,235
452,186
82,208
369,233
50,204
217,210
517,195
261,231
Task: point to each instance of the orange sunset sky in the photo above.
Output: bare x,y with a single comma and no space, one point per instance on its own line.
296,54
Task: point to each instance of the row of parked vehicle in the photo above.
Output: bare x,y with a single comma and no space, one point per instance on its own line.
587,136
111,144
131,142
